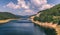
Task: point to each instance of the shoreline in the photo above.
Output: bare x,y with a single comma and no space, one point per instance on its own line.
47,25
7,20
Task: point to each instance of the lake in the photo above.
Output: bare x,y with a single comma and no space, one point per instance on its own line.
20,27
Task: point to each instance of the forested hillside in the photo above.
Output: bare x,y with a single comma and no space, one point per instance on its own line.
7,15
49,15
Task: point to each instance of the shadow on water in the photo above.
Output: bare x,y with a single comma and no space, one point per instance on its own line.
38,30
47,31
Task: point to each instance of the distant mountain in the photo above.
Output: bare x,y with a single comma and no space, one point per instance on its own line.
25,16
7,15
49,15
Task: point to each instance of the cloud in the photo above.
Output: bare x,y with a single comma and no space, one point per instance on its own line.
23,4
26,13
46,6
12,5
20,4
39,2
31,6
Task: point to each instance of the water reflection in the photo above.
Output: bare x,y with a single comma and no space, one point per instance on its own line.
38,30
47,31
15,28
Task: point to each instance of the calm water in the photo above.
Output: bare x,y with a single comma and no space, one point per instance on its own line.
20,27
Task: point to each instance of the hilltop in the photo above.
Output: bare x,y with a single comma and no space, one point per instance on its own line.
49,20
7,15
49,15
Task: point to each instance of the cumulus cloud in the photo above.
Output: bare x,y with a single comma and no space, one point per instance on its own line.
12,5
46,6
20,4
39,2
30,6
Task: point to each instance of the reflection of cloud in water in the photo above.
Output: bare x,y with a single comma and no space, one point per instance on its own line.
23,24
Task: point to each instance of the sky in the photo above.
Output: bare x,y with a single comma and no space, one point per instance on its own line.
26,7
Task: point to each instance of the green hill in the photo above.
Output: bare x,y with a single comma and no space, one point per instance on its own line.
49,15
7,15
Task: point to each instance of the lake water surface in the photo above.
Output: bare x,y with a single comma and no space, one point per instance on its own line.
20,27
